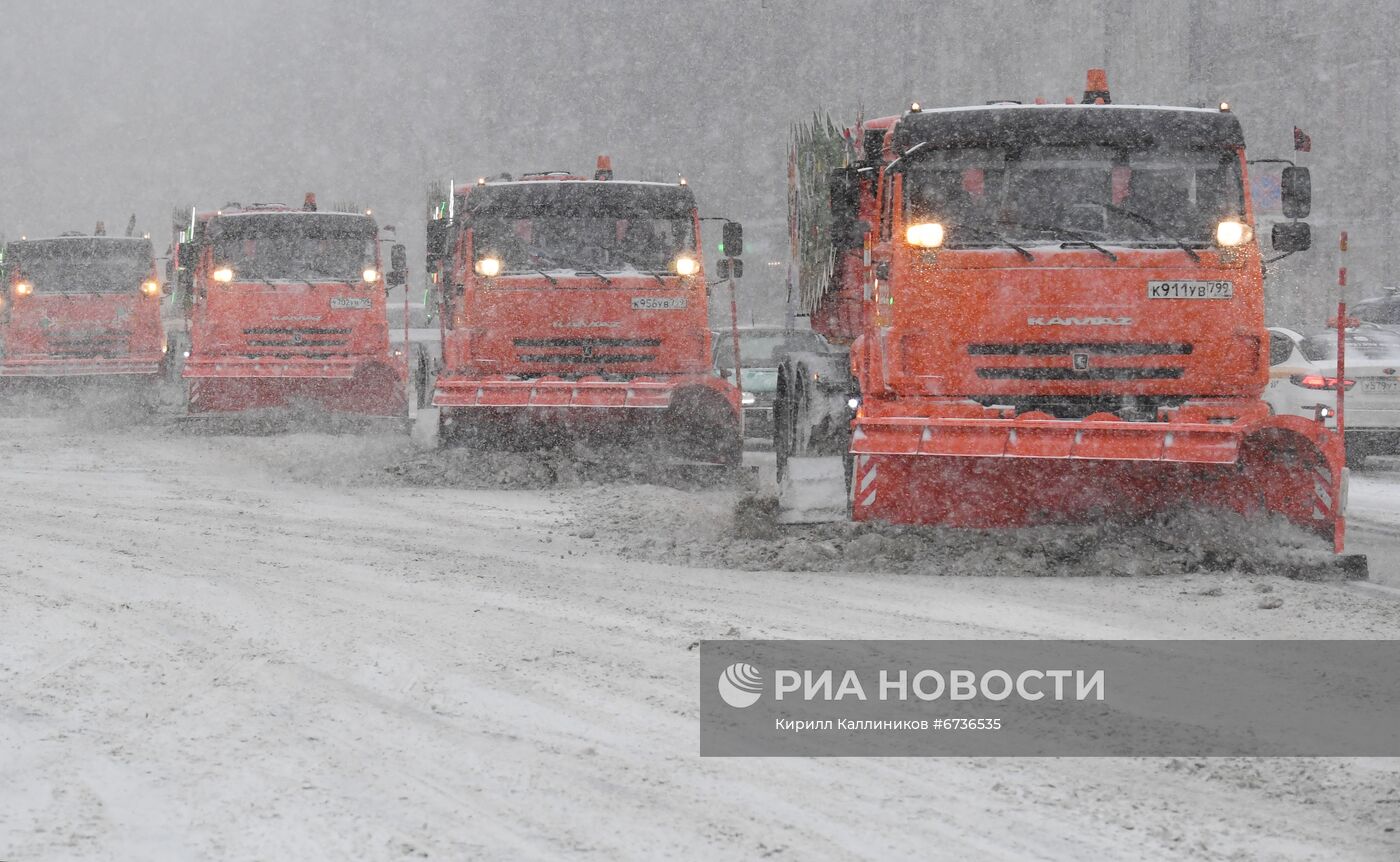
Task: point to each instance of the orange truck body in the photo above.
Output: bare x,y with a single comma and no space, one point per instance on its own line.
1105,372
81,307
542,347
269,327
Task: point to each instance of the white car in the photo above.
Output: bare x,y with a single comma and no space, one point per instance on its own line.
1303,374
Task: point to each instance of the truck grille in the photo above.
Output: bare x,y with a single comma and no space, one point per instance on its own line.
89,345
1167,373
585,351
296,342
1096,348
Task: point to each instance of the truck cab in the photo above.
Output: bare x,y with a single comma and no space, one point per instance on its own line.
572,304
286,307
79,306
1055,314
1082,259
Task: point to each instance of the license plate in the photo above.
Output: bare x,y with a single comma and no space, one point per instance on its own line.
658,303
1375,384
359,302
1190,290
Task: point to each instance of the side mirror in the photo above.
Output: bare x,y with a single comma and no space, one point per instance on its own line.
722,270
733,239
398,266
1297,192
1291,236
437,241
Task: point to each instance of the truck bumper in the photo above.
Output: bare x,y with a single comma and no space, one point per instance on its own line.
583,395
145,365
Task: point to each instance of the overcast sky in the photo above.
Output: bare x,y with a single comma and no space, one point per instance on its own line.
147,105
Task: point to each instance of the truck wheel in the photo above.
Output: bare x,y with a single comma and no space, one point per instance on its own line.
783,415
424,380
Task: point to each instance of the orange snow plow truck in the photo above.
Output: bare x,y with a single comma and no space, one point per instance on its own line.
574,307
1054,313
79,306
286,308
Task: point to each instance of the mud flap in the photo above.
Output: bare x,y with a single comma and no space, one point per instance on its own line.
812,490
427,429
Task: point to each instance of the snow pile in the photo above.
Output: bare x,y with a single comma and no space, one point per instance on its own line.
558,467
86,406
719,529
318,457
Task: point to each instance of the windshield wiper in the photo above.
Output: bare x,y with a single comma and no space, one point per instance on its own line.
1075,236
651,272
605,279
547,277
996,235
1161,231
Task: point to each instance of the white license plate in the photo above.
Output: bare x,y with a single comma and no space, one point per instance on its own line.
359,302
658,303
1375,384
1190,290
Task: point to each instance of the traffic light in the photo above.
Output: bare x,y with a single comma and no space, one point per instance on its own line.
733,245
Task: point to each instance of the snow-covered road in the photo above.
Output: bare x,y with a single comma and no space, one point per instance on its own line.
279,648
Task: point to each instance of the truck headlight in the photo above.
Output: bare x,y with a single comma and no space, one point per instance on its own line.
150,287
370,275
488,266
223,275
747,399
687,265
23,288
927,234
1230,233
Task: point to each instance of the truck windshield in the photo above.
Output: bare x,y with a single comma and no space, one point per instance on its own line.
1044,194
600,244
82,264
602,227
294,246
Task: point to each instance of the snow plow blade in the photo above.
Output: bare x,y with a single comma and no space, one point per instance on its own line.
697,419
812,490
426,429
1033,469
368,389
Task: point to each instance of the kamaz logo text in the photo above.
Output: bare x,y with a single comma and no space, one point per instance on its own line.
586,324
1079,321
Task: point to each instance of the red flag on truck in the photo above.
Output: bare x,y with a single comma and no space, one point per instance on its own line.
1302,141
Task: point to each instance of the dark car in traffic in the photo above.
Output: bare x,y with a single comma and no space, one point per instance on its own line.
1384,310
761,350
